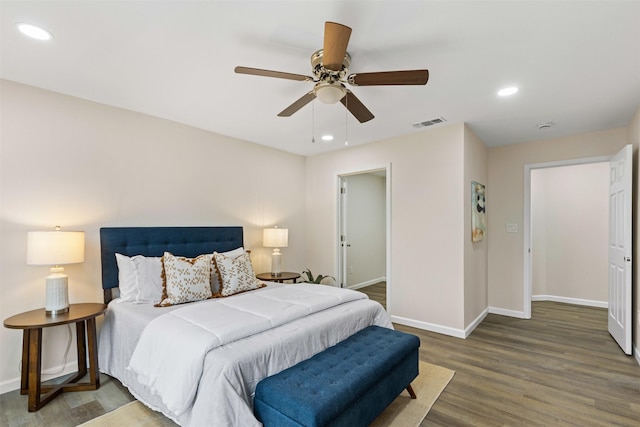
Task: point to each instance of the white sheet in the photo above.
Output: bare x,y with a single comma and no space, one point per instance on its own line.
232,371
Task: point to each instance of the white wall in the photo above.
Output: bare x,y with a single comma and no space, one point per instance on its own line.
82,165
569,223
427,220
366,229
475,253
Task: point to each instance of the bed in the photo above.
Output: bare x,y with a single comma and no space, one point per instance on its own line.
227,373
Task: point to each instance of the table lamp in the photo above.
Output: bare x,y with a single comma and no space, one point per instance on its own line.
55,248
275,238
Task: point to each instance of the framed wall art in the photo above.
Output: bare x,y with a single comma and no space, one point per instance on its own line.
478,211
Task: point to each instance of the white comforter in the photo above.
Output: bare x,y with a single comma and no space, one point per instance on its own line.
232,371
169,357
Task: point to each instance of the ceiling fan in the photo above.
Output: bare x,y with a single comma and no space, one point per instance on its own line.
330,66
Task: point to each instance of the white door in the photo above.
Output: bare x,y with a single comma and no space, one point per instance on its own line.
344,244
620,248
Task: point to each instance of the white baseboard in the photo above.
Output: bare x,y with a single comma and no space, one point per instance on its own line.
576,301
636,354
475,323
505,312
367,283
14,383
445,330
567,300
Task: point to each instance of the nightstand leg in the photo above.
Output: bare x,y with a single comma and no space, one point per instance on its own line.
82,349
35,362
92,343
24,372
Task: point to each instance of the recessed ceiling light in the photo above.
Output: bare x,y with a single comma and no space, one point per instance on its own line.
508,91
34,31
327,138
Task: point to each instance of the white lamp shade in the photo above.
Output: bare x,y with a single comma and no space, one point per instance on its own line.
275,237
55,247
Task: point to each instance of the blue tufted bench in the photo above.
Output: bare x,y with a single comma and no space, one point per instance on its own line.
348,384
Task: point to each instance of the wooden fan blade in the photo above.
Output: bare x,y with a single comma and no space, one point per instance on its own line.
269,73
409,77
356,107
297,105
336,39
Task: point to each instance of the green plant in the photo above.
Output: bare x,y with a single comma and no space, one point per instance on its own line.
317,279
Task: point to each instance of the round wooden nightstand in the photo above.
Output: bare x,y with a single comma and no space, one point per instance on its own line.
32,322
285,275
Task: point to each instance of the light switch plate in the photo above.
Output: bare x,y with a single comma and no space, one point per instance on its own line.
512,228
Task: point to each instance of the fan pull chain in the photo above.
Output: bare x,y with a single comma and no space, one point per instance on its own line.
346,116
313,122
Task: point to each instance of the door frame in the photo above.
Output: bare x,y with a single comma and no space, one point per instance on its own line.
528,272
339,220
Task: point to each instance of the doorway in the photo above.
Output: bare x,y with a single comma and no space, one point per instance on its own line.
618,243
569,237
363,232
528,232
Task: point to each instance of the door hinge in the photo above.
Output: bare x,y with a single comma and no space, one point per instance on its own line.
342,238
343,190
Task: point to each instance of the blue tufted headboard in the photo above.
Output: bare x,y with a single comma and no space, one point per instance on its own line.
154,241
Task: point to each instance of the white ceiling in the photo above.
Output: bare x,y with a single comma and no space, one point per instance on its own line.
577,64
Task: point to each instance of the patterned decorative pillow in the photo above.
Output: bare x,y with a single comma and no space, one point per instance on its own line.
185,279
215,280
236,274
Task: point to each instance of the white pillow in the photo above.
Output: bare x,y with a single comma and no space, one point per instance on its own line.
139,278
185,279
127,278
215,280
236,274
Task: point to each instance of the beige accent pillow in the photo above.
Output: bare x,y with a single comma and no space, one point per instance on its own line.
185,279
235,274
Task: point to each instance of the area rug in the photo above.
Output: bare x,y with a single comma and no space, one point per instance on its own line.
403,412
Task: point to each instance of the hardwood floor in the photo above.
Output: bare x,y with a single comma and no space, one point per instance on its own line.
66,410
377,292
561,368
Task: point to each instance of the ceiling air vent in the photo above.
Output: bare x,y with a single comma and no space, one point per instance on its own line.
429,122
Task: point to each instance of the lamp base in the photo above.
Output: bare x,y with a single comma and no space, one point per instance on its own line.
57,301
276,257
56,312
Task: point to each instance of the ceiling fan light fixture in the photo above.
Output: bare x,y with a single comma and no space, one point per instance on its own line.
329,93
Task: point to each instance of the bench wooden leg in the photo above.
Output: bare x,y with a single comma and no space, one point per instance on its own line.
411,392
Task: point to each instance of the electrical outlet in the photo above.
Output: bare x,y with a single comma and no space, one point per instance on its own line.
512,228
